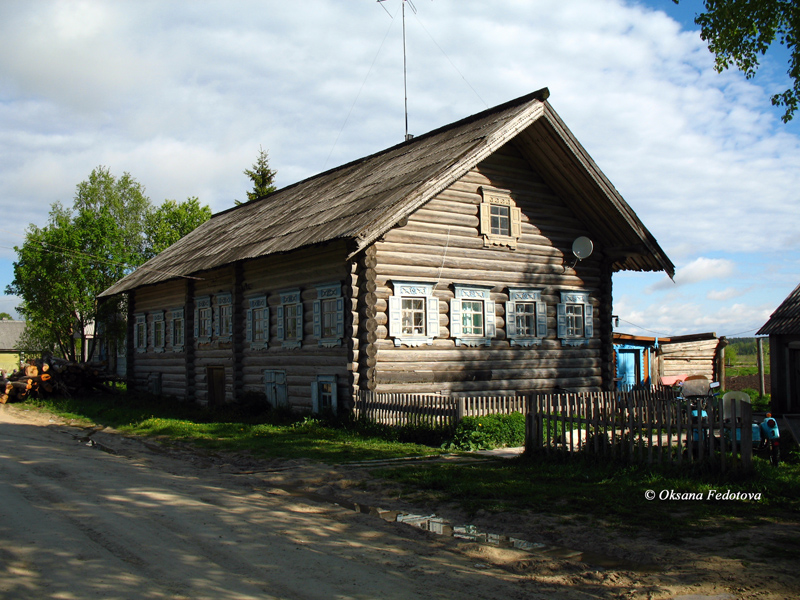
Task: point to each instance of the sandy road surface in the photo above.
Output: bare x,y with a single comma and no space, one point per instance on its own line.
77,522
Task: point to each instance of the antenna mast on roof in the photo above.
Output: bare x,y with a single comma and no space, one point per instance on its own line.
405,76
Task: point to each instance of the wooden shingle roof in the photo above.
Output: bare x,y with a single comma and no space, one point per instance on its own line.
786,318
10,332
361,200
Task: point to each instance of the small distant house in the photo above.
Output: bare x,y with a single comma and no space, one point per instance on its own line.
441,265
10,353
783,329
642,361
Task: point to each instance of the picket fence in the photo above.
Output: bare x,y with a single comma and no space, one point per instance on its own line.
644,426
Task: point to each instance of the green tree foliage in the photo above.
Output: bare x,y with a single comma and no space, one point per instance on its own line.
738,31
62,267
5,315
262,176
165,225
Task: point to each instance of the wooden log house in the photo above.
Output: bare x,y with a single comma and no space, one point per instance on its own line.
442,264
783,329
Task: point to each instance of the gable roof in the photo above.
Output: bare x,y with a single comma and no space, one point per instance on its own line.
786,318
10,332
361,200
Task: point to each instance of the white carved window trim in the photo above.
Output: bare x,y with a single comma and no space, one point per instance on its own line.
324,384
257,315
472,293
404,290
203,319
290,303
573,300
177,329
329,307
499,198
159,332
140,333
223,317
532,297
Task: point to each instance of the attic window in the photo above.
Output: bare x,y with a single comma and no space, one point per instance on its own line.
500,219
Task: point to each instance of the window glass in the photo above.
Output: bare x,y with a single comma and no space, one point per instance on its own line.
225,320
526,318
501,222
204,322
413,316
258,324
329,318
574,320
177,331
472,317
291,322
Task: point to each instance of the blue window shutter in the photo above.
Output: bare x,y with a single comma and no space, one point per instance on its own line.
395,316
455,318
561,319
433,316
588,321
280,323
248,331
340,317
541,319
215,318
511,319
489,316
317,318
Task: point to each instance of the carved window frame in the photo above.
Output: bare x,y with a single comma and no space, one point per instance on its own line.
571,300
472,293
497,197
405,290
291,302
518,296
329,296
257,315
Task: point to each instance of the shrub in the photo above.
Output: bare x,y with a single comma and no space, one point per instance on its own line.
492,431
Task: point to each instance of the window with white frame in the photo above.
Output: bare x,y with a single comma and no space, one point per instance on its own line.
500,218
329,315
324,395
413,314
177,330
526,317
290,319
575,318
159,332
257,325
472,316
140,333
203,321
223,326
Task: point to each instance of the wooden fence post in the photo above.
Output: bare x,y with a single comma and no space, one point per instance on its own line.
747,436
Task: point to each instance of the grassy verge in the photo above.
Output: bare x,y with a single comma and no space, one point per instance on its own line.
613,493
262,434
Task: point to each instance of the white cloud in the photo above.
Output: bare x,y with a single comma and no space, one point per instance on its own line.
181,94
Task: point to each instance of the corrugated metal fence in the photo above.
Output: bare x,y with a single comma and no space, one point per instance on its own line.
649,426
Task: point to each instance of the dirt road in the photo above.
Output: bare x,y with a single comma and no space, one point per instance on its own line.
136,521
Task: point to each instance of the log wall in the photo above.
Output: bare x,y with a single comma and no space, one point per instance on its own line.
441,243
185,373
689,358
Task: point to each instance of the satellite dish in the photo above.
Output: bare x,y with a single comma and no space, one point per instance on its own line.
582,247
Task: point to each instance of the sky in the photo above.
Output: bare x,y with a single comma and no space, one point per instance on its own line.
182,94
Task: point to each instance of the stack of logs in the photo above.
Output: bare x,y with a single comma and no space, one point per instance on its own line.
50,376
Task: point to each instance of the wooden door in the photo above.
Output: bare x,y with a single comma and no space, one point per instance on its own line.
215,376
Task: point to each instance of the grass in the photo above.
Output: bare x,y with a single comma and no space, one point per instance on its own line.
606,492
272,434
611,493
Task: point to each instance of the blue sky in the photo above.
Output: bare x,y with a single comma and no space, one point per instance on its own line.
181,95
